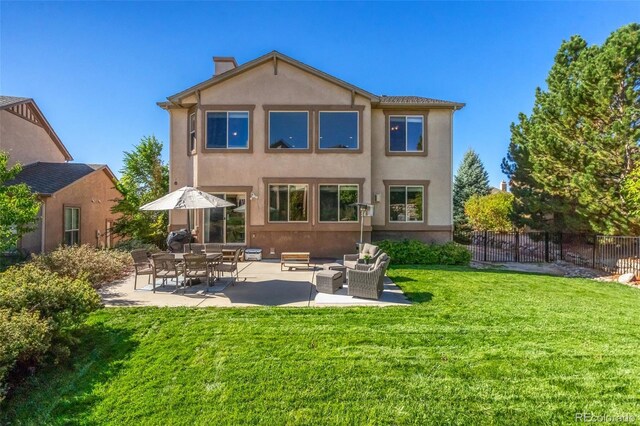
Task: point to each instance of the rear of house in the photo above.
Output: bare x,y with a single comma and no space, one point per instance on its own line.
293,148
76,198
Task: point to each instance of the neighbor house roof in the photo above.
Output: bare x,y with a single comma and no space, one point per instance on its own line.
275,56
48,178
9,102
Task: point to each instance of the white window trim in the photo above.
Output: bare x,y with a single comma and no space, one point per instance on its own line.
192,132
339,112
306,132
288,185
339,185
406,187
406,135
72,229
206,126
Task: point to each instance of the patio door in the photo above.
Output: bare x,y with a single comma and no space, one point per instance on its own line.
226,224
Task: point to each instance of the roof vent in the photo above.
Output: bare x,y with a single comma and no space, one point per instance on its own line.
223,64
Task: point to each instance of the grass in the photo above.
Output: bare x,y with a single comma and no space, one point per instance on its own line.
478,347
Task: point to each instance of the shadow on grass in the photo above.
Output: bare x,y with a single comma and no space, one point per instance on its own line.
66,390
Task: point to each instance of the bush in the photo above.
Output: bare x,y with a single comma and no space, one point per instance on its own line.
39,312
96,265
413,252
129,245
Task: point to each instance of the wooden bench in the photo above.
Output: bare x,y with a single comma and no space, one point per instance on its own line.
293,259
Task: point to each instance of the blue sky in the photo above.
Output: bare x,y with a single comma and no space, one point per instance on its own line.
97,69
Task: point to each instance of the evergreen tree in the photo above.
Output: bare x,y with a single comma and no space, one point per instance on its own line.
145,177
471,179
570,161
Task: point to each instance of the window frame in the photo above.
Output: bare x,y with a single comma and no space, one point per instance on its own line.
192,143
339,185
404,113
406,202
205,109
64,224
358,147
288,185
292,109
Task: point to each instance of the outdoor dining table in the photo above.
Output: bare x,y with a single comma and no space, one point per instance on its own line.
212,258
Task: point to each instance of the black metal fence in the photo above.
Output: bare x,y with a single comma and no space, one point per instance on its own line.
612,254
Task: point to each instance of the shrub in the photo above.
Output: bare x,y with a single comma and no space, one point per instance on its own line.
129,245
413,252
39,311
95,265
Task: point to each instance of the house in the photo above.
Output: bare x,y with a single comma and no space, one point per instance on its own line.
76,198
293,148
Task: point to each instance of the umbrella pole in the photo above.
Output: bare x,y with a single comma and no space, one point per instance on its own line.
189,224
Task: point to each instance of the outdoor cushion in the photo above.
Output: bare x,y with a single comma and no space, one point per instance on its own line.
368,250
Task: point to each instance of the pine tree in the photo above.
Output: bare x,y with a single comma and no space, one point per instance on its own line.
471,179
569,160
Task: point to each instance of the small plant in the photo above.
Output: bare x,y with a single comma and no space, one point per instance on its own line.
366,258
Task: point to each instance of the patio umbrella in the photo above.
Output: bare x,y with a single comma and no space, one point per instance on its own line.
187,198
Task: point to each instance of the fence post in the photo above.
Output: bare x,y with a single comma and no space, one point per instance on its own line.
546,247
517,246
485,245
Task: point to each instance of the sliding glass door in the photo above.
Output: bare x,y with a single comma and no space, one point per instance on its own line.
226,224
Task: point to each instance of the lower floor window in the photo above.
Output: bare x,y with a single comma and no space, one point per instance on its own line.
71,226
336,203
406,203
288,203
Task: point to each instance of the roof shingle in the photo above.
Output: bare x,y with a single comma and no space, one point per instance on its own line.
49,178
414,100
6,101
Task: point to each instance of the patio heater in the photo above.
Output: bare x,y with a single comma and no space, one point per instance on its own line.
362,212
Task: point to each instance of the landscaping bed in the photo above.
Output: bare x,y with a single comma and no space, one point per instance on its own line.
478,346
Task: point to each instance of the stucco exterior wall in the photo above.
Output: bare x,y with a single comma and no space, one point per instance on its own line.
251,171
26,142
93,194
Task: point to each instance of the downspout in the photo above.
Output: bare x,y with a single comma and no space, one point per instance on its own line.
451,171
43,233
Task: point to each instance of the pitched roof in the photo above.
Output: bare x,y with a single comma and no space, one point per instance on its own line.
274,56
49,178
417,100
7,102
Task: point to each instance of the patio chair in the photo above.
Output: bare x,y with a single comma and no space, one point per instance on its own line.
142,265
165,267
351,260
194,248
367,284
230,267
196,267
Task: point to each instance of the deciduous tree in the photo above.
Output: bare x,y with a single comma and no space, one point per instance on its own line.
491,212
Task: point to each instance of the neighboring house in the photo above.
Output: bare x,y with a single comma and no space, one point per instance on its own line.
76,198
293,147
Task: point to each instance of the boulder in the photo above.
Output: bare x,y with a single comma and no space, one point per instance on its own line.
626,278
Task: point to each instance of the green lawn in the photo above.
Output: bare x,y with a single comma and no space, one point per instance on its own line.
479,347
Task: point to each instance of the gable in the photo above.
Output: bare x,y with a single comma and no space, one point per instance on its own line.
27,110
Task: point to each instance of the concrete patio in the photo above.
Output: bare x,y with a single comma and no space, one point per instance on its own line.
260,284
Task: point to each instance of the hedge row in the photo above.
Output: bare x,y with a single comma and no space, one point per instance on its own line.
412,252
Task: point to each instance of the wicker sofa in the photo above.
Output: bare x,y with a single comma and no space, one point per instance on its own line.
351,260
367,281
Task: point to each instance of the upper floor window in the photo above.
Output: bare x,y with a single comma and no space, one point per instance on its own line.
406,133
406,203
71,226
336,203
288,203
289,129
338,129
192,132
228,130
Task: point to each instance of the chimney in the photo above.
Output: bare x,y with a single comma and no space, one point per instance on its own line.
503,186
223,64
